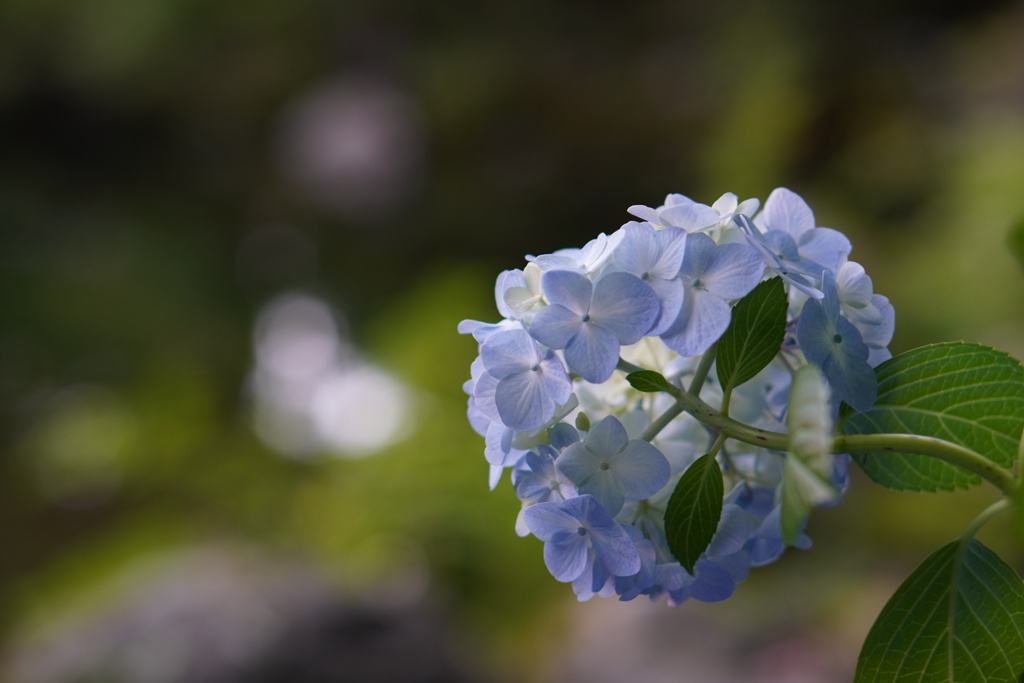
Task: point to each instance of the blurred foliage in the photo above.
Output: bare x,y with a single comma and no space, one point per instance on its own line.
150,149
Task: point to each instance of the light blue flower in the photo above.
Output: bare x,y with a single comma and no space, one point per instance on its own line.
592,321
679,211
577,529
713,276
540,481
834,344
655,256
782,258
613,468
786,212
531,382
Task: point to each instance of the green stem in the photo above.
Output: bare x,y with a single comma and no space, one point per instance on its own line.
703,368
926,445
993,510
930,446
653,429
627,367
953,453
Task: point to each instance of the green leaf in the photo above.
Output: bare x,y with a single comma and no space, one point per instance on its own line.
969,394
806,478
648,381
694,510
959,617
754,335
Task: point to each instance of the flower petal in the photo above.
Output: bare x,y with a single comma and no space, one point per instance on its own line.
702,321
508,351
549,521
592,353
641,470
786,210
568,288
625,305
732,271
523,402
607,438
555,325
566,560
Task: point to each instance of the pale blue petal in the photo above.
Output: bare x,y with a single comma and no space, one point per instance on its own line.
506,280
670,295
566,560
638,251
557,384
734,530
577,463
671,248
498,449
629,587
548,522
563,435
786,210
691,217
625,305
613,547
641,470
644,213
854,285
507,352
732,271
592,353
713,583
699,248
604,487
568,288
555,325
483,395
834,344
477,420
494,476
877,336
825,246
701,322
607,438
523,402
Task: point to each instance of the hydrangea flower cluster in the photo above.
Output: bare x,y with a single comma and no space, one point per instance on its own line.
595,461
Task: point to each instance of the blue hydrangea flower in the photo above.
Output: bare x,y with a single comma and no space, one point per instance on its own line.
713,276
590,259
782,258
592,321
613,468
531,382
541,482
786,213
679,211
655,256
577,529
834,344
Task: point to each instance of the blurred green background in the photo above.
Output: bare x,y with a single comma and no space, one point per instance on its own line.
235,242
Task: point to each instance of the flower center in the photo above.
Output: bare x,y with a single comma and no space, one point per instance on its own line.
645,277
586,318
837,338
697,284
535,367
605,466
581,531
